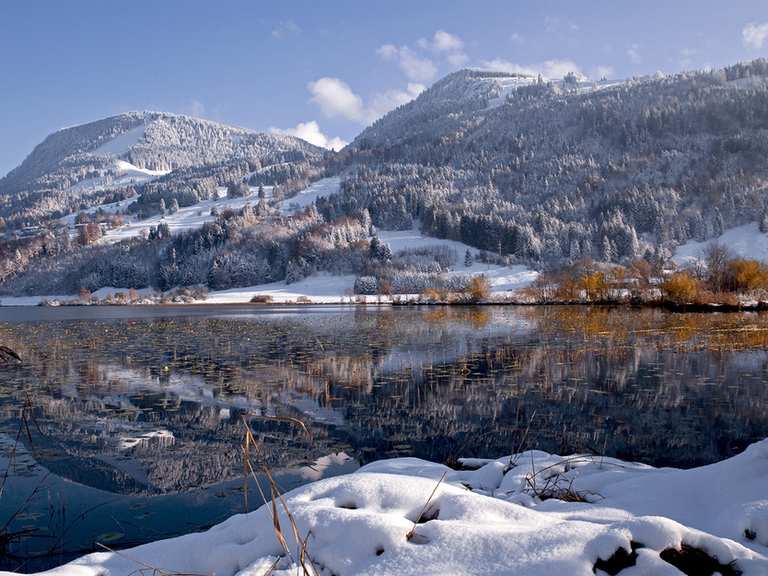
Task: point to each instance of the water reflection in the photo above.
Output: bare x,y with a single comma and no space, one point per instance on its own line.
140,413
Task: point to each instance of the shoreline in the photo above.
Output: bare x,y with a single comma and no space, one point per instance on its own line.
668,306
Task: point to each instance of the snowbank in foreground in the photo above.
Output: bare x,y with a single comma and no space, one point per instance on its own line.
743,241
380,520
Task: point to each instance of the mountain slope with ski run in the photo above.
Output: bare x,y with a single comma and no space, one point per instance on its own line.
131,149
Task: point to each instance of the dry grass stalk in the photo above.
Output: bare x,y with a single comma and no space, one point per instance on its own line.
412,531
516,454
304,561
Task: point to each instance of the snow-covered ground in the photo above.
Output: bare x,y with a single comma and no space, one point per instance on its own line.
100,294
123,142
109,208
190,217
327,289
501,278
187,218
320,189
508,85
321,288
743,241
396,517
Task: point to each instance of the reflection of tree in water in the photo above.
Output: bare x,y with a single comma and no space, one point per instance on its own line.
436,382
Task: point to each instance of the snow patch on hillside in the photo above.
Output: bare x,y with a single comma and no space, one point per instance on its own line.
122,174
187,218
396,517
109,208
127,169
320,189
122,143
507,85
743,241
324,288
501,278
190,217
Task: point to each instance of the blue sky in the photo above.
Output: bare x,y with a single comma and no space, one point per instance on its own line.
324,69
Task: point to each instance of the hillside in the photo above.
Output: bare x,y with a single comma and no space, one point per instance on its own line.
527,172
551,172
83,163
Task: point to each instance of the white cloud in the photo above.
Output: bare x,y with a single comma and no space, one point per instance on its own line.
388,52
446,42
446,45
383,102
310,131
336,98
517,38
548,69
457,59
634,53
285,29
754,35
414,67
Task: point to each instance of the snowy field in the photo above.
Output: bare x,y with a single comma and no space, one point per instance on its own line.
122,143
187,218
320,189
501,278
319,288
327,289
100,294
191,217
515,515
123,174
743,241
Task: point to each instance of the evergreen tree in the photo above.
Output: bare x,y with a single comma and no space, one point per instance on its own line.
607,253
764,221
468,260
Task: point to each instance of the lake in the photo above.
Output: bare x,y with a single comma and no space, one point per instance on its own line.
126,424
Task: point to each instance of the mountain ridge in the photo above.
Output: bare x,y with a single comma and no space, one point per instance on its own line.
149,141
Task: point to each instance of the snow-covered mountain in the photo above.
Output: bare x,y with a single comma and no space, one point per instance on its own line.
463,94
551,172
527,171
130,149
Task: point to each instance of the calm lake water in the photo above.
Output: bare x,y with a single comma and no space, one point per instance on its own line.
126,424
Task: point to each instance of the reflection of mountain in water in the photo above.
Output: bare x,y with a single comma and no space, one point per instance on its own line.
155,405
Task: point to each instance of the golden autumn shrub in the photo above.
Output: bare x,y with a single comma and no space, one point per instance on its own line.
478,289
747,275
680,288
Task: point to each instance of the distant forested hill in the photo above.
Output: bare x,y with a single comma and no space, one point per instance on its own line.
551,172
